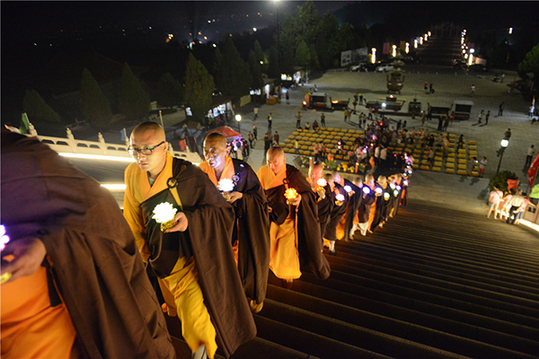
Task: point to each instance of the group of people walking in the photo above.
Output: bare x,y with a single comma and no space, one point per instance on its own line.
207,238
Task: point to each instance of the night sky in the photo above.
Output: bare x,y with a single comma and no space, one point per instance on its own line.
48,21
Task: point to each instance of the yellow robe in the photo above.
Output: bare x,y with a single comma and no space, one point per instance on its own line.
181,290
31,328
284,255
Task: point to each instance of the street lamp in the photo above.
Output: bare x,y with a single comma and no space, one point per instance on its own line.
504,144
238,118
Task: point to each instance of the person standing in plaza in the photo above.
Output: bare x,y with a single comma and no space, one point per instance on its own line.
255,132
501,108
345,114
472,92
255,111
480,119
323,120
516,202
494,200
482,166
487,117
298,120
287,97
251,139
529,157
507,134
270,121
276,138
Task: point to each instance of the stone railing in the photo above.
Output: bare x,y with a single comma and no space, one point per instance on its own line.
100,147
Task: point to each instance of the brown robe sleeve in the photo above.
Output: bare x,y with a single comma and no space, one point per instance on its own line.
211,221
309,243
97,268
253,232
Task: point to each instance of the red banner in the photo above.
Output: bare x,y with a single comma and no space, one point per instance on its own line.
532,171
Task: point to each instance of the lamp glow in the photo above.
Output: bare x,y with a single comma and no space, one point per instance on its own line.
4,238
164,213
322,182
347,188
339,199
366,190
378,190
290,194
505,143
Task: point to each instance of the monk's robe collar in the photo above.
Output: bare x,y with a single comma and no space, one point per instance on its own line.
160,182
228,171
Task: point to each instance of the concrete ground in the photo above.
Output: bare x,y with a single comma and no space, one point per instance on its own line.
453,190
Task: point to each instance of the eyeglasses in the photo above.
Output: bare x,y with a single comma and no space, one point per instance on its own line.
145,151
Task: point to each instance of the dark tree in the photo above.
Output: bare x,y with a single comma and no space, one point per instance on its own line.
274,70
169,91
199,86
37,109
260,56
234,73
94,105
303,57
134,101
530,64
256,73
216,69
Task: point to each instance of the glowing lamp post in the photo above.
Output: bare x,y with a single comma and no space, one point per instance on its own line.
238,118
504,144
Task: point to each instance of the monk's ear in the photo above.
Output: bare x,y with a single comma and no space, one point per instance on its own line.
227,150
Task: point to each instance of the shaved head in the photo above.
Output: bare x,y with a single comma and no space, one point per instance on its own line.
215,151
276,159
276,151
215,139
158,131
149,135
316,171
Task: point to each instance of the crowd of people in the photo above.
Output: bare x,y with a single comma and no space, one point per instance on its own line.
508,206
212,277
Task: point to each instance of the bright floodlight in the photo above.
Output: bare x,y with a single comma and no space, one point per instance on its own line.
505,143
238,118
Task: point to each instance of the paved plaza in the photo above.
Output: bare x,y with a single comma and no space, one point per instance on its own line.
449,85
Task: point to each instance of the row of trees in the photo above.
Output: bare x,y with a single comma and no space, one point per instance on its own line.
306,39
95,108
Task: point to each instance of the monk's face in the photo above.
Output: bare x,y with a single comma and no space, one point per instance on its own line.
215,153
154,162
276,161
315,175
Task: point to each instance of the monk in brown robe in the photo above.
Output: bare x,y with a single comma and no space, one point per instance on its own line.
78,287
250,237
193,260
294,230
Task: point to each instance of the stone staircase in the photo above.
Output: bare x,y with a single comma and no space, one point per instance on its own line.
433,283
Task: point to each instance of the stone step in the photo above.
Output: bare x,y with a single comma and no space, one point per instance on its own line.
480,341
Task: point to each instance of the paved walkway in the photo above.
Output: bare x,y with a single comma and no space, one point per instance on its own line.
449,85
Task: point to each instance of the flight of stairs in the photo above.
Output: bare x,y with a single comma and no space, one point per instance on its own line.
433,283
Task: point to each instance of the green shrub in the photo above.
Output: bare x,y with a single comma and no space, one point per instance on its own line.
500,180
